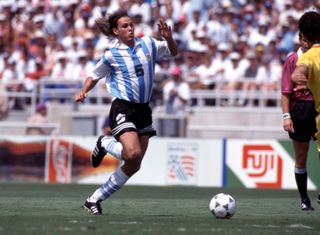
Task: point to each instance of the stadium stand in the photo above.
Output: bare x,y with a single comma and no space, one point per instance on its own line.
231,53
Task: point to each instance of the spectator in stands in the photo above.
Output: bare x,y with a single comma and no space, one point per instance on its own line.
38,23
176,96
61,76
161,76
83,68
204,72
4,102
193,26
12,82
62,70
127,68
55,20
40,117
249,82
217,29
306,73
34,76
268,78
82,19
233,75
191,61
299,121
176,93
219,60
46,27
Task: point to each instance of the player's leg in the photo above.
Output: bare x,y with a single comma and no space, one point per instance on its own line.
133,153
134,148
318,197
301,174
114,183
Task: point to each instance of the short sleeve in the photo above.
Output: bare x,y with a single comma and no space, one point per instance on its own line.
101,70
303,59
162,48
287,69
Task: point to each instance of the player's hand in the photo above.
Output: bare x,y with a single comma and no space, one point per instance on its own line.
80,96
164,29
300,87
300,82
288,125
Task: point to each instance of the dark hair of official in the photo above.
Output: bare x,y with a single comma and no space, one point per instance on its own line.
107,24
309,26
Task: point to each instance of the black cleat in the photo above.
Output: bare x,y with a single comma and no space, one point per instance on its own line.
98,153
93,207
318,198
306,205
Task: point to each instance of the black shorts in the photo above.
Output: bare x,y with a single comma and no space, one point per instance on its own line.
303,116
127,116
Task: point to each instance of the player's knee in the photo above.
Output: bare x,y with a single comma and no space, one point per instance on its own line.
133,165
133,155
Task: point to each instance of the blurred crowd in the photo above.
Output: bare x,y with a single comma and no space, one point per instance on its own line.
224,44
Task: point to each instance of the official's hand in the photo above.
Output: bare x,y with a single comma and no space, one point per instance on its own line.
288,125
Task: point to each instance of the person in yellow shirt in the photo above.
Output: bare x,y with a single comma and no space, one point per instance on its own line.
307,72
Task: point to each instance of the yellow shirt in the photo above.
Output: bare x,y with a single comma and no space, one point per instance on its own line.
311,59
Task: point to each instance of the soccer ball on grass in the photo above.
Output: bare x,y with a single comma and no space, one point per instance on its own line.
222,206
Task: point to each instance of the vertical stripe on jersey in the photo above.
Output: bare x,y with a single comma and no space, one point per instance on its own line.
114,89
124,70
136,62
149,78
154,57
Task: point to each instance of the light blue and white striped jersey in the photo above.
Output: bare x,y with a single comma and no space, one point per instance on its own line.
129,72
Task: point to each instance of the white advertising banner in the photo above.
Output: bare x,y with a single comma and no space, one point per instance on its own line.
171,161
262,164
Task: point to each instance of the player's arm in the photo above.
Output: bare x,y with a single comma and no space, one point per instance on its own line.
299,77
87,86
102,70
286,92
287,122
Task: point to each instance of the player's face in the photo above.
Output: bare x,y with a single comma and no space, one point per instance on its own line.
125,31
305,45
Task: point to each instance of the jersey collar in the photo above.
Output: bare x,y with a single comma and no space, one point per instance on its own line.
316,45
123,46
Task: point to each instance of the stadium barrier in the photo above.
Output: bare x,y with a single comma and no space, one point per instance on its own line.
48,89
221,98
207,116
21,128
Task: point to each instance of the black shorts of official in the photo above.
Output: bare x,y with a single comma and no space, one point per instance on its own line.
303,116
127,116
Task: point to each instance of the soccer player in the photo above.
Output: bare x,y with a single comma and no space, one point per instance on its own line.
307,73
299,121
128,68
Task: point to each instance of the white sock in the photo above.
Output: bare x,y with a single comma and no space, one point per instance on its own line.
114,183
112,146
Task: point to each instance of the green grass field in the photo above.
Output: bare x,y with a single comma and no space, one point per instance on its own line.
57,209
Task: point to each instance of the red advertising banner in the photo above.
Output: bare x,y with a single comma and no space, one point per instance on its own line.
259,161
59,161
